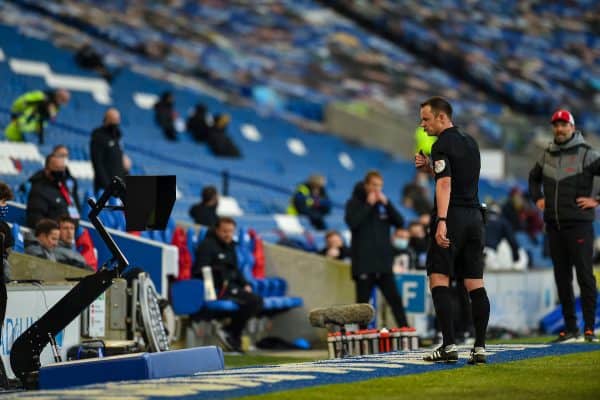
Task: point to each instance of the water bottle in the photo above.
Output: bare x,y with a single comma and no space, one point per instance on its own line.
209,284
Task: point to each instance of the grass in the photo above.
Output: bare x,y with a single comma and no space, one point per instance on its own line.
524,340
573,376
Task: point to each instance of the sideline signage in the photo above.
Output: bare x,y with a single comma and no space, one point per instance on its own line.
413,289
26,304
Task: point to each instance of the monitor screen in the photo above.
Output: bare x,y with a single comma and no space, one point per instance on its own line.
148,201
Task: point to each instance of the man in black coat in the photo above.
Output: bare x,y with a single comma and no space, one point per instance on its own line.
205,212
370,216
164,115
562,185
106,150
199,123
217,251
50,196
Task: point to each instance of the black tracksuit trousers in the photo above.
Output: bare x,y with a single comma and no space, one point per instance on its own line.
387,285
572,246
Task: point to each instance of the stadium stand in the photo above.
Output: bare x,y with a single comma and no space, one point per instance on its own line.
259,53
535,56
278,154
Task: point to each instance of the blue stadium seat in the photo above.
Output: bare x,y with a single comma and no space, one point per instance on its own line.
19,246
187,298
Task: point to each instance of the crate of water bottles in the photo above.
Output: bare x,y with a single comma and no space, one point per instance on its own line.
371,341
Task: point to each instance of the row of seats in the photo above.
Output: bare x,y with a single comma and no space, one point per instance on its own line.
537,56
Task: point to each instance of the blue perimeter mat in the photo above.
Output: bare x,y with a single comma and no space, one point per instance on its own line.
264,379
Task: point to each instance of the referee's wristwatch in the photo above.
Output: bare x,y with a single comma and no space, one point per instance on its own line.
441,219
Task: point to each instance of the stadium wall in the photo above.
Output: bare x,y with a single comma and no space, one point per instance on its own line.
318,280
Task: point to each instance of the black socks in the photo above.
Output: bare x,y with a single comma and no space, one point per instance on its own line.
443,301
480,305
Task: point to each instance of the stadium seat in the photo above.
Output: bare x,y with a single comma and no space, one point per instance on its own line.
19,246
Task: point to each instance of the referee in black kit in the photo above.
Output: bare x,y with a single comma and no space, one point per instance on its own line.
457,227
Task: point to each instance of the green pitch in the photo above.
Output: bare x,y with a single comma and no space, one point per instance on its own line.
574,376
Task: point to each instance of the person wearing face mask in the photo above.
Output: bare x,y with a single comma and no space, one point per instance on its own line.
70,181
405,257
60,150
106,150
419,242
561,184
5,195
50,196
370,216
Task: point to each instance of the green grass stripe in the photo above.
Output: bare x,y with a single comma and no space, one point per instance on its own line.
573,376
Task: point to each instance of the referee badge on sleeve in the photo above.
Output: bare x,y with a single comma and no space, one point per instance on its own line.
439,166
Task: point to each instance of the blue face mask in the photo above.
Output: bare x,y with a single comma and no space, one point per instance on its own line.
400,243
3,212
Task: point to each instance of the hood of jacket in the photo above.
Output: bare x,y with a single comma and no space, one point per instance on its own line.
576,140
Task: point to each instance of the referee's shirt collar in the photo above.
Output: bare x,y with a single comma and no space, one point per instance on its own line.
452,128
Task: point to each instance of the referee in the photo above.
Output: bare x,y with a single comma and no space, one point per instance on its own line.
456,227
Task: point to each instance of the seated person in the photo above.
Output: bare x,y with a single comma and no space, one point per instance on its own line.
217,251
199,123
66,251
418,242
218,139
205,212
334,246
44,245
87,57
416,196
405,257
310,199
497,229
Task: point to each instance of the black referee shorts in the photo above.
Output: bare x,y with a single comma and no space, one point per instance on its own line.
464,258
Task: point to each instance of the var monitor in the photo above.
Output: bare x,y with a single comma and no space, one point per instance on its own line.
148,201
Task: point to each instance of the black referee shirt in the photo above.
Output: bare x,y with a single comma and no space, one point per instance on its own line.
456,155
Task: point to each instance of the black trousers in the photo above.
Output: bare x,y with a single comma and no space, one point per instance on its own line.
570,247
250,305
387,284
